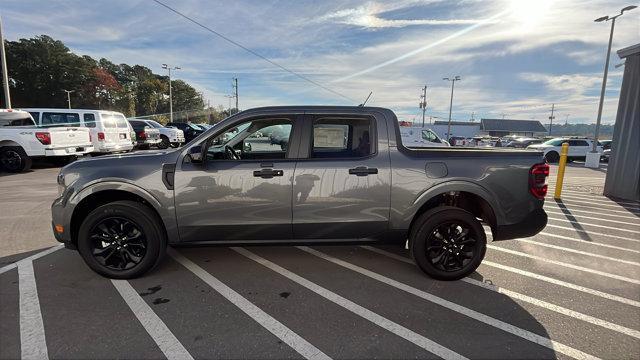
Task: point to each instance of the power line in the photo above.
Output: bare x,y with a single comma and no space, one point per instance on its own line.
252,51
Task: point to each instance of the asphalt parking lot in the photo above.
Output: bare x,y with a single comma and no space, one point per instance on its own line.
572,291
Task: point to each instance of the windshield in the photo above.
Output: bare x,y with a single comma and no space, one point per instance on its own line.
554,142
154,124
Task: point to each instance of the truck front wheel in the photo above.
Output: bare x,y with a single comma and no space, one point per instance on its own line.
448,243
121,240
14,159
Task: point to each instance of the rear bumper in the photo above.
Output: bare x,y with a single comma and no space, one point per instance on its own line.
66,151
107,148
532,224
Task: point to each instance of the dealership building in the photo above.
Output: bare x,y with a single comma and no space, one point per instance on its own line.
490,127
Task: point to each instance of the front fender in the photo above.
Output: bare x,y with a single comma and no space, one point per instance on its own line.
163,206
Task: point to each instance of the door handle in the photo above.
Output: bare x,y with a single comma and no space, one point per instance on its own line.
362,171
267,173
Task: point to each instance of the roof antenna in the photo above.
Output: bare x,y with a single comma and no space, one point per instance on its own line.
365,100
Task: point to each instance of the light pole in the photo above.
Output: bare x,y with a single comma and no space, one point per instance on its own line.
168,67
606,71
453,83
69,97
5,73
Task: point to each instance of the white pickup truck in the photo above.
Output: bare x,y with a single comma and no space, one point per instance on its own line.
21,141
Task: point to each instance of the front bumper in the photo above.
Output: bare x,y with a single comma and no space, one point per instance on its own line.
532,224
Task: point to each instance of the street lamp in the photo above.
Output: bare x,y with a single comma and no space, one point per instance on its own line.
69,97
168,67
606,71
453,83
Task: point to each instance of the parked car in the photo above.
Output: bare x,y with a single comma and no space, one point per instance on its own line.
437,198
419,137
146,136
169,136
109,129
190,131
522,143
21,141
606,144
578,148
606,155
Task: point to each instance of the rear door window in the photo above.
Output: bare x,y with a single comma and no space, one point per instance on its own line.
89,120
342,138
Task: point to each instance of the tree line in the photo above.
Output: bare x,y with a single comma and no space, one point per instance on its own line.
42,68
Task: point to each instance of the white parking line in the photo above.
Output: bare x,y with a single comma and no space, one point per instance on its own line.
633,210
6,268
506,327
541,303
635,223
295,341
600,197
596,225
33,344
558,282
548,206
582,241
600,201
159,332
562,248
365,313
560,263
595,207
592,232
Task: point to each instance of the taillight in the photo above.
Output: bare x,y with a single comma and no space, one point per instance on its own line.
100,136
538,180
141,135
44,138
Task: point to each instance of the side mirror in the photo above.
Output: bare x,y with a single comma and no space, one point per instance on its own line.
195,154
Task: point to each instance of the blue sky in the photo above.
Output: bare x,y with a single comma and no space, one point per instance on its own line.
515,57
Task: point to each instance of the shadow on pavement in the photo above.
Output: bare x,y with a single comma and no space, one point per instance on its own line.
580,230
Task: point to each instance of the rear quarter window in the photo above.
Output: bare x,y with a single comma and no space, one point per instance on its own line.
89,120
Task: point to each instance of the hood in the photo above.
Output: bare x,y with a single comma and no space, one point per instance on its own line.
539,146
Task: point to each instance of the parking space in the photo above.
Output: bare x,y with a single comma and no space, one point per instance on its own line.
572,291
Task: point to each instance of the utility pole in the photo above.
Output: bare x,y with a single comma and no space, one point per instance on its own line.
423,102
5,73
551,118
566,120
68,97
453,83
168,67
235,88
473,117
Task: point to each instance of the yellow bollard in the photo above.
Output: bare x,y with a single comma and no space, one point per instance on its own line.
561,165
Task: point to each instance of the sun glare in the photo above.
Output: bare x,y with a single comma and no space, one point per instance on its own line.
529,13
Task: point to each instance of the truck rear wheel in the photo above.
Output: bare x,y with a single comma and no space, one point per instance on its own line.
121,240
164,143
447,243
14,159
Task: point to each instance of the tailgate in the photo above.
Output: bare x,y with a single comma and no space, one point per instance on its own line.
69,137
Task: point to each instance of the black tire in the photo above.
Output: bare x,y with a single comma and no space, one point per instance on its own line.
149,232
552,157
446,260
14,159
164,143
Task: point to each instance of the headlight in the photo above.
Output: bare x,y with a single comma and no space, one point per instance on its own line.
60,178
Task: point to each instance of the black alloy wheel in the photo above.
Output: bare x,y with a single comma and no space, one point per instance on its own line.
14,159
118,243
122,239
447,243
164,142
452,245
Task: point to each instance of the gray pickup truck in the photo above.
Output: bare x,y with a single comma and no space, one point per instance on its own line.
336,174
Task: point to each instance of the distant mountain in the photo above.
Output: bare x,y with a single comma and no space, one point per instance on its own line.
606,131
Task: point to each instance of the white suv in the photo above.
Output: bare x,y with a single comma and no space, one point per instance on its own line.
578,148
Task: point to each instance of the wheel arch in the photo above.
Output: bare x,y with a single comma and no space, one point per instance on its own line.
100,194
464,195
